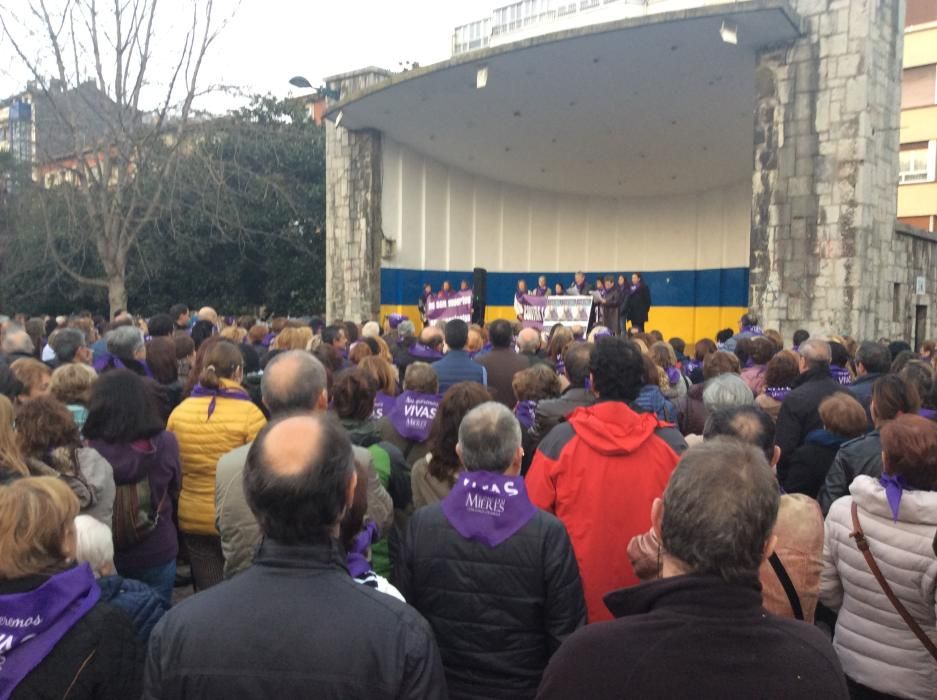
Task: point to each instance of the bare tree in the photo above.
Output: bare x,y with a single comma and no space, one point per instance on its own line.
112,162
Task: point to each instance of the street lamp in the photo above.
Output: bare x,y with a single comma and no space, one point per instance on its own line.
301,82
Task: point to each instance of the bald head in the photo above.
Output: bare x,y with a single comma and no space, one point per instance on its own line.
294,381
299,478
431,336
528,340
816,354
16,340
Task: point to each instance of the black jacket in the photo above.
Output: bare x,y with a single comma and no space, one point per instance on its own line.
98,658
799,411
498,613
638,305
808,466
694,637
860,456
293,625
861,388
551,412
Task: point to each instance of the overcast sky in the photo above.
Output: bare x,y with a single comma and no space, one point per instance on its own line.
269,41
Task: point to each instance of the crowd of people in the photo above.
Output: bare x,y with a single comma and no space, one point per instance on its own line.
465,511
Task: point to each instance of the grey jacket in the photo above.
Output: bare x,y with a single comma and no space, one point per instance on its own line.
860,456
551,412
240,533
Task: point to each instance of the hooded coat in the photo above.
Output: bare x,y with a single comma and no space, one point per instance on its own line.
599,473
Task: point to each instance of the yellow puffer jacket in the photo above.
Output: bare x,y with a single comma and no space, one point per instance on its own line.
202,442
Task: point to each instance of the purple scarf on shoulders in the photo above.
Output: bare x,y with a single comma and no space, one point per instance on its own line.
778,393
200,391
895,487
524,412
928,413
841,375
33,622
413,414
424,352
383,404
107,360
357,560
673,375
487,507
754,330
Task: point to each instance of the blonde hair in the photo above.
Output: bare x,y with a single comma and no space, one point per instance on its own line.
292,338
36,514
11,456
235,333
72,383
663,355
384,354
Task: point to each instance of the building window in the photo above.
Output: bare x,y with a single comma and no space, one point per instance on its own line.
918,86
914,163
920,12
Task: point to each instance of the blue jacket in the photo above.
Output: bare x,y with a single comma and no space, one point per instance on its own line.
456,366
144,606
652,400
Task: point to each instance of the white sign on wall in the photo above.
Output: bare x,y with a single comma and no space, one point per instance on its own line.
920,285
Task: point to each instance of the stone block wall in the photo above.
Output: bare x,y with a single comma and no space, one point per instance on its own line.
913,255
353,211
824,196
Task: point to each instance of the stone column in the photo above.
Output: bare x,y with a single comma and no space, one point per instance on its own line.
824,197
353,211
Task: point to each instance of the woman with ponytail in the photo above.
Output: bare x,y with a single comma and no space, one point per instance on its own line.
218,417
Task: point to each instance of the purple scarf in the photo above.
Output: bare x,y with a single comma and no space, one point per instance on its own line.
841,375
894,488
778,393
524,412
395,320
413,414
268,339
519,297
487,507
32,623
673,375
383,404
424,352
199,391
358,564
928,413
541,291
633,288
605,332
107,360
754,330
692,366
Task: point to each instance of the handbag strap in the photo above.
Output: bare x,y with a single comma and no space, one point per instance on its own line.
862,543
787,585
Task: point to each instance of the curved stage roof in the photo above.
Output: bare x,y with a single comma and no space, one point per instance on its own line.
639,107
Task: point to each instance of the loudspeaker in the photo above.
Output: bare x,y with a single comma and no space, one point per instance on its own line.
479,295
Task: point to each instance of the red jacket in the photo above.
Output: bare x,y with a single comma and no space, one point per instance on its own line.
599,473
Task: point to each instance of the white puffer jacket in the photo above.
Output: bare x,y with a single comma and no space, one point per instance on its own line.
874,644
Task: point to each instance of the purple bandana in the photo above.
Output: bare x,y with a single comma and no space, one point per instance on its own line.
605,332
199,391
487,507
413,415
395,320
778,393
559,366
692,366
33,622
541,291
633,288
383,405
358,564
841,375
928,413
894,487
424,352
673,375
524,412
519,297
754,330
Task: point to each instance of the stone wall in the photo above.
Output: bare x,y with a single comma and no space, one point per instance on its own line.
353,211
913,255
824,195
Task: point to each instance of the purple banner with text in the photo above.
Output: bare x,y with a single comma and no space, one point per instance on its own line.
453,305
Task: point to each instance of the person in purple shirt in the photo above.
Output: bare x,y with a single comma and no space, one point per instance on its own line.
446,290
125,427
542,290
